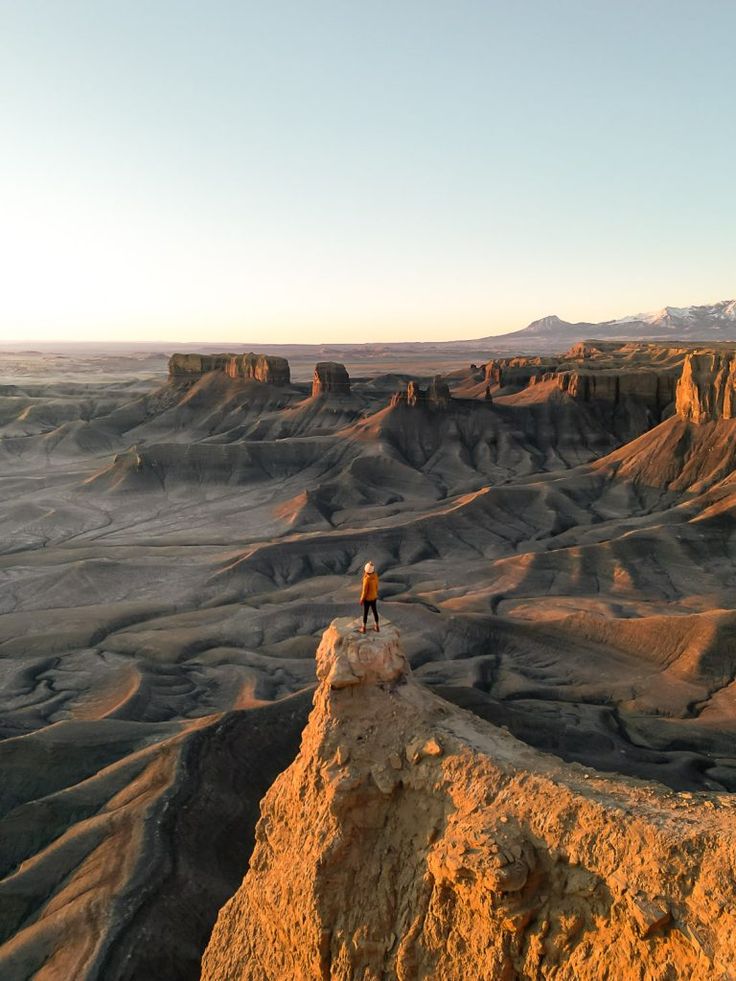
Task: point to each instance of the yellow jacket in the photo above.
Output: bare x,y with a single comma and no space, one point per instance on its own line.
370,587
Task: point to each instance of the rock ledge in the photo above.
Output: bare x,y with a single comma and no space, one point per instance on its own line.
346,658
411,840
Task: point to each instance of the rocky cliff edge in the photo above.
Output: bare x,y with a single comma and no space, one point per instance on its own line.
410,840
706,390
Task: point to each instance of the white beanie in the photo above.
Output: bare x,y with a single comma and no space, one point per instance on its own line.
369,567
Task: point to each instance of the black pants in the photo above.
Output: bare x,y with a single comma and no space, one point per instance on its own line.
369,605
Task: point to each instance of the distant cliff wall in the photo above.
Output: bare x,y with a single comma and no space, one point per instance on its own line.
706,391
266,368
591,379
654,389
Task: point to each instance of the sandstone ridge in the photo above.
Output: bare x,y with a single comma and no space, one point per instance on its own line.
410,840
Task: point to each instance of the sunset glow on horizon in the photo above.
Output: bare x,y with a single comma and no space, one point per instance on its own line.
343,172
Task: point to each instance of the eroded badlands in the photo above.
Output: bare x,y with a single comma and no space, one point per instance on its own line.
555,540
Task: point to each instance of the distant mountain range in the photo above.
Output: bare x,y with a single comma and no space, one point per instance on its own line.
708,323
712,322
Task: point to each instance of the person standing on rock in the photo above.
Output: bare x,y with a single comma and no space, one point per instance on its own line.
369,595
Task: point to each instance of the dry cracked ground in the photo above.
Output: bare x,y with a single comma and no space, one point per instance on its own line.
172,552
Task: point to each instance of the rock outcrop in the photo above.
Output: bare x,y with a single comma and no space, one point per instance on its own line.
266,368
518,372
436,395
330,378
410,840
706,391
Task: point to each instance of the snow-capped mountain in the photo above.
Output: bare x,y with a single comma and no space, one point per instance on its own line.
714,316
710,322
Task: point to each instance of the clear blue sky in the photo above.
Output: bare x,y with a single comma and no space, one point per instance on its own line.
360,169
